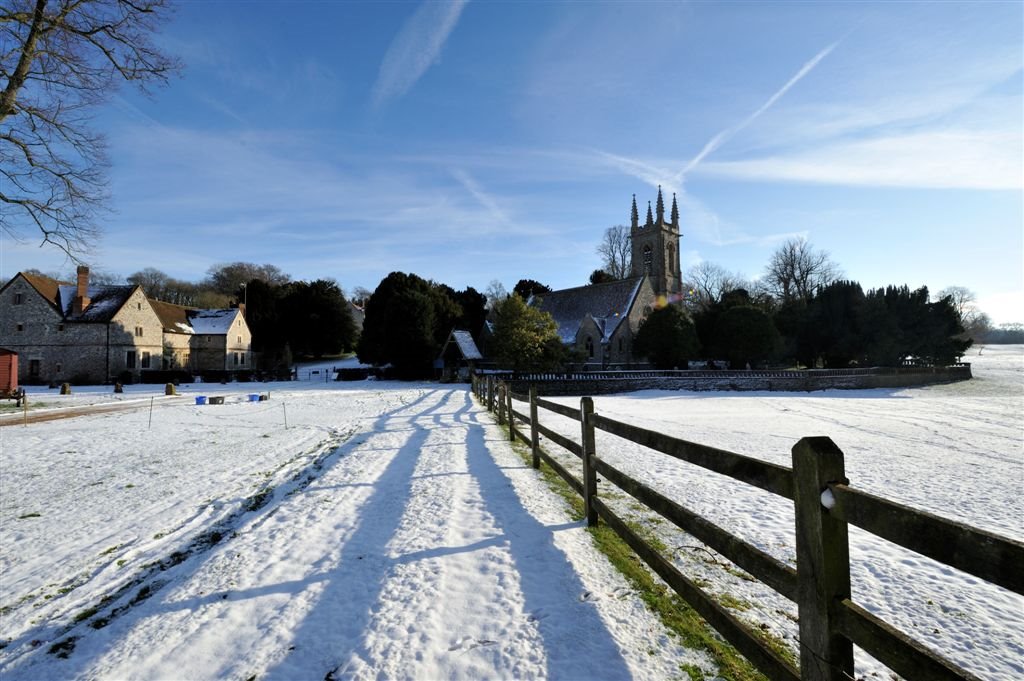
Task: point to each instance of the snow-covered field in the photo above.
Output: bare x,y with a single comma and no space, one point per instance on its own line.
955,450
390,531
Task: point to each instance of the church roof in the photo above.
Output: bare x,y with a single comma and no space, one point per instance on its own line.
607,303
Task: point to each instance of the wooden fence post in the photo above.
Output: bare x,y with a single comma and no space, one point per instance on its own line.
589,450
823,562
501,403
508,412
534,434
490,393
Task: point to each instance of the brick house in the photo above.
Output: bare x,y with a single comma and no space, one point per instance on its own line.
83,333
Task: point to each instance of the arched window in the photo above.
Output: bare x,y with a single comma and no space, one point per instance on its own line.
648,259
671,259
590,347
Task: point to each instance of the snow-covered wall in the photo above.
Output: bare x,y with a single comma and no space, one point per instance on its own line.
785,381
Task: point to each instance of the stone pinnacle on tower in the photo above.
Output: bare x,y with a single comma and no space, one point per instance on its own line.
650,218
675,211
661,207
635,216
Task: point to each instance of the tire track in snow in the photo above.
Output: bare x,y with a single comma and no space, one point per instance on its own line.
114,604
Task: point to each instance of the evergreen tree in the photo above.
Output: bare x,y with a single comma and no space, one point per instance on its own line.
836,315
744,334
528,287
525,338
316,318
667,338
407,321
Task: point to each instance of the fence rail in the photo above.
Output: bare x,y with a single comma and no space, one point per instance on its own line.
825,504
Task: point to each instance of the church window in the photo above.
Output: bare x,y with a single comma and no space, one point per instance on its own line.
648,257
671,258
590,347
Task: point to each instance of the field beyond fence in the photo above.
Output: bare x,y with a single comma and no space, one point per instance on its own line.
825,504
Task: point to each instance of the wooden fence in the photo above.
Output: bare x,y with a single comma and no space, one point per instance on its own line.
825,503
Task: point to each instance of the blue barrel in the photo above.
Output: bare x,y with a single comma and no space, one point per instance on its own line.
254,397
200,399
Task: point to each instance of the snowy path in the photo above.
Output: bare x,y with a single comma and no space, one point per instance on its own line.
395,534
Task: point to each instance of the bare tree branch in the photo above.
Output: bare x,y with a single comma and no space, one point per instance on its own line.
616,251
797,270
60,59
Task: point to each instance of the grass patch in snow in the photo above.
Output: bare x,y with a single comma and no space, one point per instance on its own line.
677,616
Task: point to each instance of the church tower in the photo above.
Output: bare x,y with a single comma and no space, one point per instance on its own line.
655,248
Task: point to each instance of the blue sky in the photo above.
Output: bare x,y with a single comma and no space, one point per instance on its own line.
475,141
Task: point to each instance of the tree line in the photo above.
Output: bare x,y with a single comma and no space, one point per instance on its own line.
800,311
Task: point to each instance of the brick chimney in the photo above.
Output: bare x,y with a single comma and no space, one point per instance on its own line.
241,308
81,300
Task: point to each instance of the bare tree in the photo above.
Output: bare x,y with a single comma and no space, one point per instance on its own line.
706,281
58,60
495,293
228,278
796,270
360,295
616,251
965,303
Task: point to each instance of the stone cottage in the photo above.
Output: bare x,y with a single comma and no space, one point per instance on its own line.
85,333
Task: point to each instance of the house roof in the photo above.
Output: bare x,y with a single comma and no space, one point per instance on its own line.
45,286
463,340
217,322
174,318
104,302
607,303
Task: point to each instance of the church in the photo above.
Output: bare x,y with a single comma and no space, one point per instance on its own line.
600,321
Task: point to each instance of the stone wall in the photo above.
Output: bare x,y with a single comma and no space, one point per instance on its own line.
604,383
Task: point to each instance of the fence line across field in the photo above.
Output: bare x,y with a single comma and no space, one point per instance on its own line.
825,504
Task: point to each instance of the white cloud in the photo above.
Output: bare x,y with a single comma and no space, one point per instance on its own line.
951,159
415,48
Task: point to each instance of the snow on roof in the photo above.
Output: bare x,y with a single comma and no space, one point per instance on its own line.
212,321
104,302
607,303
467,346
173,317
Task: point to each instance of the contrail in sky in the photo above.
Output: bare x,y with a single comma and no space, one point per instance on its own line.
719,139
415,48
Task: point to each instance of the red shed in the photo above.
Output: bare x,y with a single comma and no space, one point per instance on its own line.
8,372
